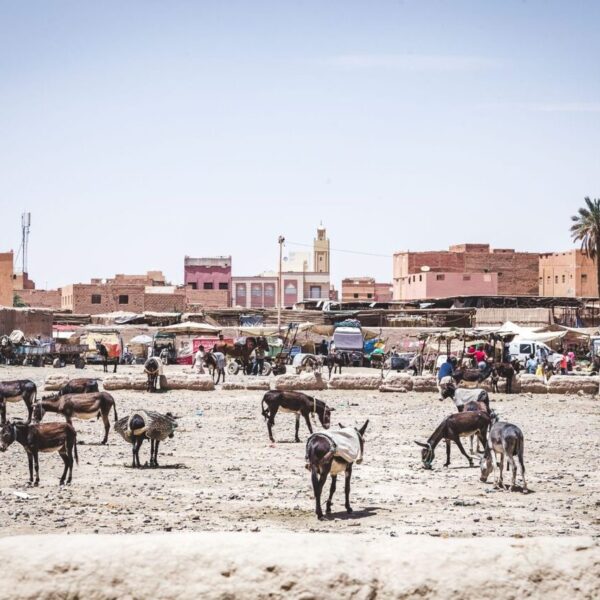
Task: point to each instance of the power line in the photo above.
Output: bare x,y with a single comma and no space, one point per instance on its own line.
340,250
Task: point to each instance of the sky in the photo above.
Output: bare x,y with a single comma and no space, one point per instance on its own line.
140,132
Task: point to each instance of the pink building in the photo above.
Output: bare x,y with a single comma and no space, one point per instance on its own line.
209,274
432,284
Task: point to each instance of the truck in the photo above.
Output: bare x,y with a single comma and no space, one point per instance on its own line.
351,341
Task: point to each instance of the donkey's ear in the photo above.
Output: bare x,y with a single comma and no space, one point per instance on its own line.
331,409
364,427
341,426
421,444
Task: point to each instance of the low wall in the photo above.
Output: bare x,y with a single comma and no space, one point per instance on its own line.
289,565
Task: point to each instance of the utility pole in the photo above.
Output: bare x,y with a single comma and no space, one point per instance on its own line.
281,241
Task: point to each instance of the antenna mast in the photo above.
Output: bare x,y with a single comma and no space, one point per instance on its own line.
25,226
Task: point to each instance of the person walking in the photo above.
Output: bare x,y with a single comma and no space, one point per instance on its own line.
444,376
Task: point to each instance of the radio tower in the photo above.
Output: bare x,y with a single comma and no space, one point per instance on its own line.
25,226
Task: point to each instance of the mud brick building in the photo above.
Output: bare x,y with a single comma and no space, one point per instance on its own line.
568,274
365,289
6,278
208,281
465,270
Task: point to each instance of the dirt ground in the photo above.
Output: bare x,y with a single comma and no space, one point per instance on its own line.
220,473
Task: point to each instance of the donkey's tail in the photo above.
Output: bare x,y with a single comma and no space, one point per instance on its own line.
115,411
75,451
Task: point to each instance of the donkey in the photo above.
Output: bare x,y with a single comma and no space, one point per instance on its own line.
507,371
451,429
103,350
79,386
333,453
153,369
81,406
473,375
335,362
46,437
468,400
506,440
15,390
297,403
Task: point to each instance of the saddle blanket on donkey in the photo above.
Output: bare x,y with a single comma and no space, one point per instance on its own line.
345,443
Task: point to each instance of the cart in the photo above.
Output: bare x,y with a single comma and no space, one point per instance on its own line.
284,357
64,354
32,355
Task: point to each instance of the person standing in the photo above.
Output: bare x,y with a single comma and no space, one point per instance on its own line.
481,357
444,376
220,365
199,360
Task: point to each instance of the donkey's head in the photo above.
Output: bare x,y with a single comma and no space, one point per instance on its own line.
325,415
427,454
486,466
8,434
448,391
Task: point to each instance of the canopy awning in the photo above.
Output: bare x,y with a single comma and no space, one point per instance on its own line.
190,328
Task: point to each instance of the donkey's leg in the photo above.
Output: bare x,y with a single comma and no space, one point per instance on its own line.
106,422
447,453
307,419
36,465
3,411
462,450
156,452
500,478
318,483
271,420
30,461
348,476
331,493
63,454
136,450
297,438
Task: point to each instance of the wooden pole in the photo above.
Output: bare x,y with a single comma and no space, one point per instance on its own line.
280,241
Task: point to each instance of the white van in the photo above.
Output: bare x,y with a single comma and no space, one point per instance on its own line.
523,349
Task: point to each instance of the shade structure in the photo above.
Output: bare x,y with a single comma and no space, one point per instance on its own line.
141,339
190,328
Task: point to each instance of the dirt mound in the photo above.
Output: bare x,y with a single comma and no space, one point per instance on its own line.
278,565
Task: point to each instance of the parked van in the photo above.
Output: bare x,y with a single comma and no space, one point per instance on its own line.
523,349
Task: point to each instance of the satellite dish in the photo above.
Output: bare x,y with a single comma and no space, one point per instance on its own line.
425,269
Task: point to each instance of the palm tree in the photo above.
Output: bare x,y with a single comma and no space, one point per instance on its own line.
586,229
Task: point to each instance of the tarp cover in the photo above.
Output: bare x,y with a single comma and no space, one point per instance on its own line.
348,338
346,443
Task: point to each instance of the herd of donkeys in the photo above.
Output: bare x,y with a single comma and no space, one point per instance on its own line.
329,452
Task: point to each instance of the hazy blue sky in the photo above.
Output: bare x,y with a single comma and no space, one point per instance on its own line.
139,132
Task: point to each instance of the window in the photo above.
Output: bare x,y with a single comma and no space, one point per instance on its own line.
123,299
315,291
500,274
256,290
525,349
583,277
556,279
223,285
439,277
563,279
193,285
355,295
96,299
420,277
269,290
208,285
466,278
369,295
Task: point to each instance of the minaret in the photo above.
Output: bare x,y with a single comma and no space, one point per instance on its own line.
321,251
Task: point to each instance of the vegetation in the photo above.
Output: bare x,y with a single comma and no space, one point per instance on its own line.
586,230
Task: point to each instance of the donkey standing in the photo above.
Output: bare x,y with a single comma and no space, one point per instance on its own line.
333,453
294,402
507,441
84,385
103,350
46,437
13,391
81,406
451,429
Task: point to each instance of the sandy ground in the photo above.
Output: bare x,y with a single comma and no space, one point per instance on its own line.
220,473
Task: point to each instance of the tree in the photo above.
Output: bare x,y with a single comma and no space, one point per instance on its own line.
18,301
586,229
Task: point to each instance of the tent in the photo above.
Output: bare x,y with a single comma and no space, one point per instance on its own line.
141,339
273,330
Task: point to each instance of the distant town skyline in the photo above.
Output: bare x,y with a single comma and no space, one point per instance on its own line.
138,133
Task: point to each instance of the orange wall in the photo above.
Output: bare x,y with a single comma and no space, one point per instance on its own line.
6,279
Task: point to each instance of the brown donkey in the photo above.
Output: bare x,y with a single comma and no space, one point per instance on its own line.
46,437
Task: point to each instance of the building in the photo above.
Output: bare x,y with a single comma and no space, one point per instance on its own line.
26,294
361,289
568,274
298,284
6,278
208,281
465,270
